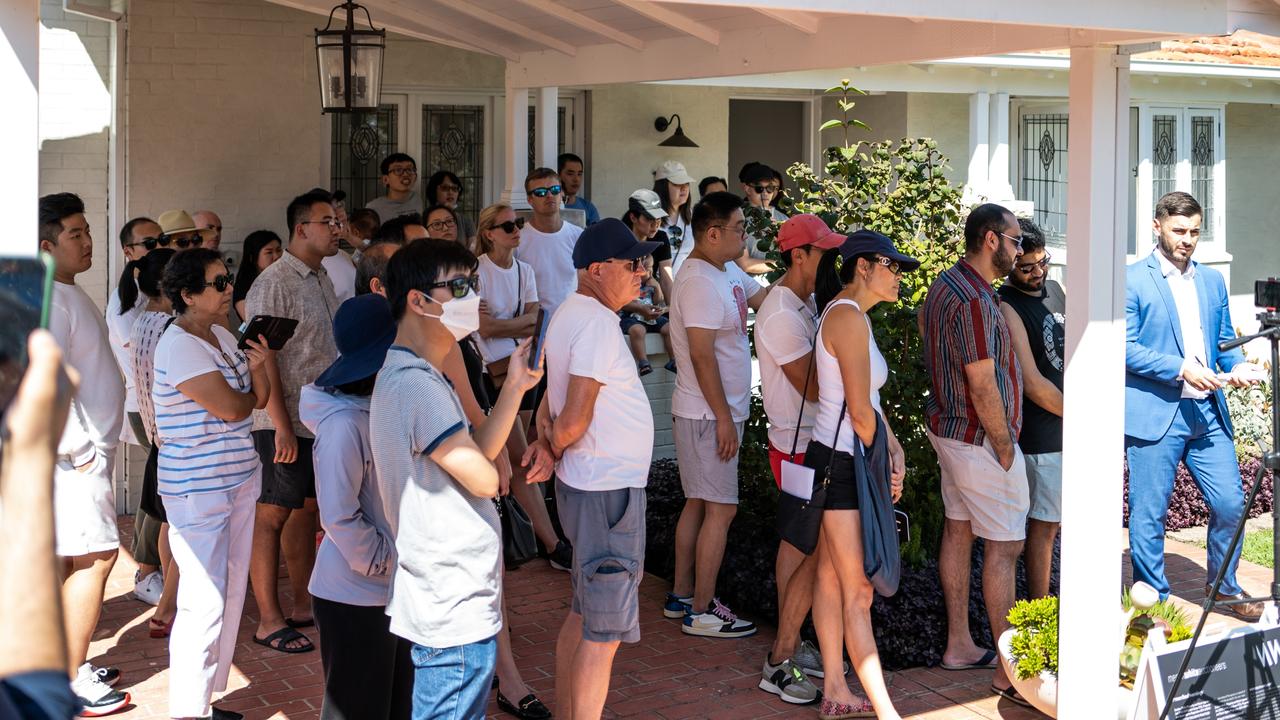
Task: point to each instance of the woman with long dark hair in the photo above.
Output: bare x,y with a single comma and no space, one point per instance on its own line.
261,248
851,280
671,183
444,188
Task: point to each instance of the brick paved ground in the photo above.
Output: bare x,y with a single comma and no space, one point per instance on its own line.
668,675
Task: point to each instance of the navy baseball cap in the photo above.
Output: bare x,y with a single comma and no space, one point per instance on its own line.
362,330
609,239
866,242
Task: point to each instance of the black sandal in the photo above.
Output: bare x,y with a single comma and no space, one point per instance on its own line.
310,622
529,707
280,639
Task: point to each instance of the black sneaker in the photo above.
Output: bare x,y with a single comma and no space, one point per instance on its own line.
562,557
106,675
220,714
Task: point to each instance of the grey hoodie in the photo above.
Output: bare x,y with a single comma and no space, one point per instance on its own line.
355,558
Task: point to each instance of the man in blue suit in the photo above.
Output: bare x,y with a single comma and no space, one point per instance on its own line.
1175,411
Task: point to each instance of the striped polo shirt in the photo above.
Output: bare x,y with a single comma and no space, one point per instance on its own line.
962,324
198,452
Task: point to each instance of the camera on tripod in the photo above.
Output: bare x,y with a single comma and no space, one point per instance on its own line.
1266,295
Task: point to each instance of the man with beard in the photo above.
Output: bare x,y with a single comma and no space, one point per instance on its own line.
1035,309
974,416
1175,411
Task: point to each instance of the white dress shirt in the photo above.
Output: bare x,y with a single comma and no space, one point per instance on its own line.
1182,285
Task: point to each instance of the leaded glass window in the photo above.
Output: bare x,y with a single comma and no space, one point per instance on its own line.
358,143
1044,172
453,140
1203,159
533,136
1164,154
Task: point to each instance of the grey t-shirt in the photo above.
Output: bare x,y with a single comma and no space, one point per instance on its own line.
388,208
445,588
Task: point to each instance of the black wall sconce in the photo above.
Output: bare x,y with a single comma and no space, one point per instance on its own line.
678,138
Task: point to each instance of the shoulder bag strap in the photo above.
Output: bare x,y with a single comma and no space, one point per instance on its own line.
795,439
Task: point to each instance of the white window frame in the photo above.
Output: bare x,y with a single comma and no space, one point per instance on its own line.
1211,251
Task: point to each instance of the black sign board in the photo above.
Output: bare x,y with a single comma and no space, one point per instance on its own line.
1231,677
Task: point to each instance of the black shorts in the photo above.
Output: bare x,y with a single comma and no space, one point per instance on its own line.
531,397
285,484
842,490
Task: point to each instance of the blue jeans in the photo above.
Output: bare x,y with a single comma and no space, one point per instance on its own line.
1197,438
453,683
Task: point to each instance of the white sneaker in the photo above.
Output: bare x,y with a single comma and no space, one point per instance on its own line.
148,589
717,621
809,659
97,697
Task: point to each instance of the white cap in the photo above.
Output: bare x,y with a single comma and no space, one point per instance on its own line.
673,172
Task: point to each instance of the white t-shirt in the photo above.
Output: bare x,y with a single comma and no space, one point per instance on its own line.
785,327
615,452
507,291
118,329
97,408
551,257
711,299
199,453
342,273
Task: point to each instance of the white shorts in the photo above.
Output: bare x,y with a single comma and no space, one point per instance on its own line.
975,488
84,508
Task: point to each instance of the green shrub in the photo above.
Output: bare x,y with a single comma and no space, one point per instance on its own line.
1250,409
899,189
1035,642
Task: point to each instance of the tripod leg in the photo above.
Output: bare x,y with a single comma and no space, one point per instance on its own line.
1210,598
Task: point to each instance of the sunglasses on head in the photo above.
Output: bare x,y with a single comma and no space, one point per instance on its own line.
459,286
510,226
543,192
184,243
221,282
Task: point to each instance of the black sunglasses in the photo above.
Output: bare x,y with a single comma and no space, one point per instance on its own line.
676,233
459,286
151,243
543,192
220,283
510,226
183,243
631,265
762,189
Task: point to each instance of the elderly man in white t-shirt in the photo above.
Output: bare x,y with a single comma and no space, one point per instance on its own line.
596,422
785,328
710,405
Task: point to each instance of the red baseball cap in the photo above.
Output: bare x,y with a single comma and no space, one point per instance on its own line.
807,229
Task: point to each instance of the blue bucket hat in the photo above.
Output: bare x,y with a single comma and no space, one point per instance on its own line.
865,242
362,330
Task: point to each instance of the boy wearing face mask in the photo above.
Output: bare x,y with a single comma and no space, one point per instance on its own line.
437,473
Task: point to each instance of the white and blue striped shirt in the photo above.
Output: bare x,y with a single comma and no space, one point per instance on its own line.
198,452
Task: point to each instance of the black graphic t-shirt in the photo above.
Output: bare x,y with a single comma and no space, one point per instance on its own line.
1044,318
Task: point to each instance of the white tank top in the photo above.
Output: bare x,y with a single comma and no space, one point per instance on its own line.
831,385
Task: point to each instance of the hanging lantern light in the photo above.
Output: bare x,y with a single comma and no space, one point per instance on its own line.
350,63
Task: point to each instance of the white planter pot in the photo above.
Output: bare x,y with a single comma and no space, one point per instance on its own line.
1041,691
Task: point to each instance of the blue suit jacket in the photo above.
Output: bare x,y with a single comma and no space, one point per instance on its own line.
1154,346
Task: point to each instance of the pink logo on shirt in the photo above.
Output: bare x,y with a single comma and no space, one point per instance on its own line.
740,297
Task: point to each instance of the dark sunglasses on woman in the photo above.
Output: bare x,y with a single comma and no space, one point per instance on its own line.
510,226
221,282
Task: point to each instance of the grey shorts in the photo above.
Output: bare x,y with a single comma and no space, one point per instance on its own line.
606,529
702,475
1044,479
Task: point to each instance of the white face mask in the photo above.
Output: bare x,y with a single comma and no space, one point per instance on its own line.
462,315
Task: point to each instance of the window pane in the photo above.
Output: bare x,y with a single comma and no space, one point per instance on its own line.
1202,162
358,144
453,140
1044,172
1164,155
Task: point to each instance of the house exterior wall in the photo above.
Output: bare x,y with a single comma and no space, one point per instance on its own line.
75,114
1253,221
885,114
945,118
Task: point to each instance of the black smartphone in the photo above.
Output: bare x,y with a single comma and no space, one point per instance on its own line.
26,288
535,352
276,330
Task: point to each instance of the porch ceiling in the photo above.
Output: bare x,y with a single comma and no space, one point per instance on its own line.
590,42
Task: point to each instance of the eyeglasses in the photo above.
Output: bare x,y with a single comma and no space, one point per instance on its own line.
510,226
334,223
235,369
450,188
459,286
1017,241
403,171
150,243
183,243
1042,263
762,189
631,265
439,225
740,230
543,192
220,283
894,266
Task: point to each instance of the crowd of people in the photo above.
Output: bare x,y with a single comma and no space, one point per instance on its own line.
412,394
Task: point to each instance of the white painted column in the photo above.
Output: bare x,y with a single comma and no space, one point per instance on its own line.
547,127
1093,441
20,123
998,139
979,140
516,137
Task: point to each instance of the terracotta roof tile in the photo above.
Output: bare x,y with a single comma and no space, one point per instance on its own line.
1239,48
